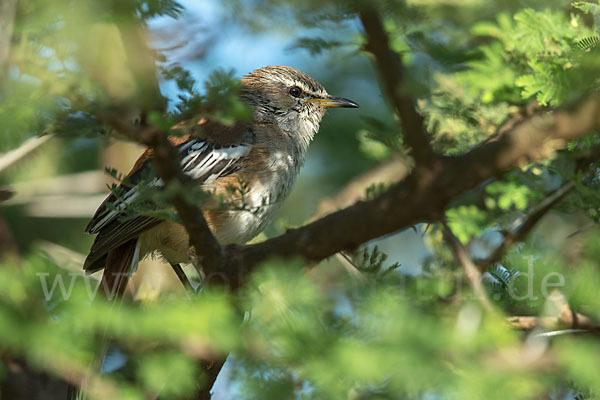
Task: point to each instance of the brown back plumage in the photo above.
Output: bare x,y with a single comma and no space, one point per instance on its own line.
119,232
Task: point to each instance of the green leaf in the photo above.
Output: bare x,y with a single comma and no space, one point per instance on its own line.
466,222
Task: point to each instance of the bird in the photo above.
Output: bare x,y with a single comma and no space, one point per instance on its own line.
255,163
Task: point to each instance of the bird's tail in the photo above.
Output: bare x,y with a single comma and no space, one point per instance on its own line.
120,264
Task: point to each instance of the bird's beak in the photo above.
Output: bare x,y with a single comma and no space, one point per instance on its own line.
334,102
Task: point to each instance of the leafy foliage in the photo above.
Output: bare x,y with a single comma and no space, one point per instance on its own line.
315,45
46,305
537,51
381,332
466,222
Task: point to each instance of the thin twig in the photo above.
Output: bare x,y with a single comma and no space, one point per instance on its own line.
522,226
531,322
183,279
350,267
470,269
565,317
582,229
11,157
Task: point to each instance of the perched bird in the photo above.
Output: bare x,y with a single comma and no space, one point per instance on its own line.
254,163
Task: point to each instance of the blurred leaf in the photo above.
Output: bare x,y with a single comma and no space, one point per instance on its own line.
466,222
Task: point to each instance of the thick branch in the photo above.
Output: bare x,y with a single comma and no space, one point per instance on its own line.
424,196
393,74
390,171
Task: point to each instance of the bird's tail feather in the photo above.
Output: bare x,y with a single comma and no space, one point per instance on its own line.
120,264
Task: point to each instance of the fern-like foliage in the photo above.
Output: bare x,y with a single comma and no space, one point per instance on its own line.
588,43
371,261
533,57
500,281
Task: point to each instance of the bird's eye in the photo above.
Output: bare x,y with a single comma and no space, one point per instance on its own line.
295,91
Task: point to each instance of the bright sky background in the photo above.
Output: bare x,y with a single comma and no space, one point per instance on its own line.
235,47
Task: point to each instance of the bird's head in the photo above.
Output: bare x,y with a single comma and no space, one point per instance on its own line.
289,98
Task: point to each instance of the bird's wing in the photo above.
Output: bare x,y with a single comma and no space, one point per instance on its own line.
201,159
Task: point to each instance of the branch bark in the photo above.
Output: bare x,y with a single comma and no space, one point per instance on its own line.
208,249
422,196
565,317
168,168
393,75
523,226
10,158
390,171
470,269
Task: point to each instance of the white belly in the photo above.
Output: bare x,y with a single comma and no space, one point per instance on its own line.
239,222
258,210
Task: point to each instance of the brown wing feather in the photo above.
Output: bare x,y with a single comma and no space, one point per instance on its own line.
114,235
140,163
117,233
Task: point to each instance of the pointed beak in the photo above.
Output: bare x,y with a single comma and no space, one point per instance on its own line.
334,102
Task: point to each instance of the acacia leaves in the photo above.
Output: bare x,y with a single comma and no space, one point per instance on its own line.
534,55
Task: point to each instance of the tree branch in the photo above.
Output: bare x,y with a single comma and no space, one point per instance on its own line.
419,197
470,269
522,226
208,250
11,157
422,196
140,59
566,317
390,171
393,74
574,321
168,168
